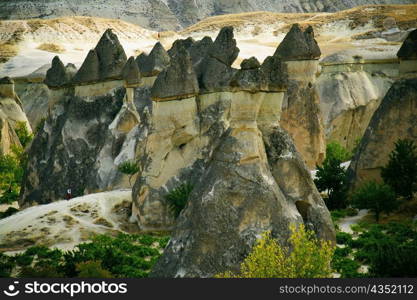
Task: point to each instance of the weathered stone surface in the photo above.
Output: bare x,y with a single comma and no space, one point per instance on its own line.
276,75
298,45
88,132
111,56
57,75
250,77
8,137
131,72
152,64
178,81
395,118
89,71
178,44
6,80
199,49
408,50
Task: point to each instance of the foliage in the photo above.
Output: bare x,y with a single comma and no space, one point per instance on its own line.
343,213
25,137
309,257
401,171
343,238
92,269
177,198
336,151
40,124
378,198
129,168
121,256
11,174
331,177
388,249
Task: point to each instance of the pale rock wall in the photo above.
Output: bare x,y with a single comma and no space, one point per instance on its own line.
349,95
301,115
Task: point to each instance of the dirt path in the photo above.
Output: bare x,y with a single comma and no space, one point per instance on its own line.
345,223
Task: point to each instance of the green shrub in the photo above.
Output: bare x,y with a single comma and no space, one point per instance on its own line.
25,137
378,198
92,269
401,171
129,168
347,267
177,198
343,238
309,258
336,151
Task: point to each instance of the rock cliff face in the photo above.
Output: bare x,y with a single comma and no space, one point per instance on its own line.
301,115
408,55
221,135
395,118
10,114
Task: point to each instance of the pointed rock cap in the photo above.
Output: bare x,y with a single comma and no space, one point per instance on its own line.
178,81
275,73
131,73
187,43
224,47
249,77
298,45
152,64
111,56
89,70
57,75
408,49
200,49
6,80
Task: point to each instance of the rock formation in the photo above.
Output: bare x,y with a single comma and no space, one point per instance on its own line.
58,75
104,62
131,72
301,115
395,118
155,62
223,138
10,114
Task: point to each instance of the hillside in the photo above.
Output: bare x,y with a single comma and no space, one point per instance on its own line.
168,14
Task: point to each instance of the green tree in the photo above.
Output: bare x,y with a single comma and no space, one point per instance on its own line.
92,269
309,257
377,197
177,198
129,168
336,151
401,171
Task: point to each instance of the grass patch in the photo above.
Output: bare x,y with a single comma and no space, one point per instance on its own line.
49,47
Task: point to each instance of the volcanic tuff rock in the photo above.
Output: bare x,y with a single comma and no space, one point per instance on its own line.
155,62
89,70
301,115
298,45
227,144
395,118
10,113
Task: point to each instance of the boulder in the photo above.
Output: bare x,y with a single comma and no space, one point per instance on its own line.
395,118
178,81
152,64
250,77
57,76
298,45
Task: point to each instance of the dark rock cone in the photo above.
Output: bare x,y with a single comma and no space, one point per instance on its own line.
200,49
155,62
178,81
57,76
298,45
187,44
89,70
408,49
249,77
275,72
131,72
111,56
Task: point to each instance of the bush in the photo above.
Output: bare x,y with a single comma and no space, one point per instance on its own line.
129,168
343,238
401,171
92,269
309,258
376,197
336,151
25,137
177,198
